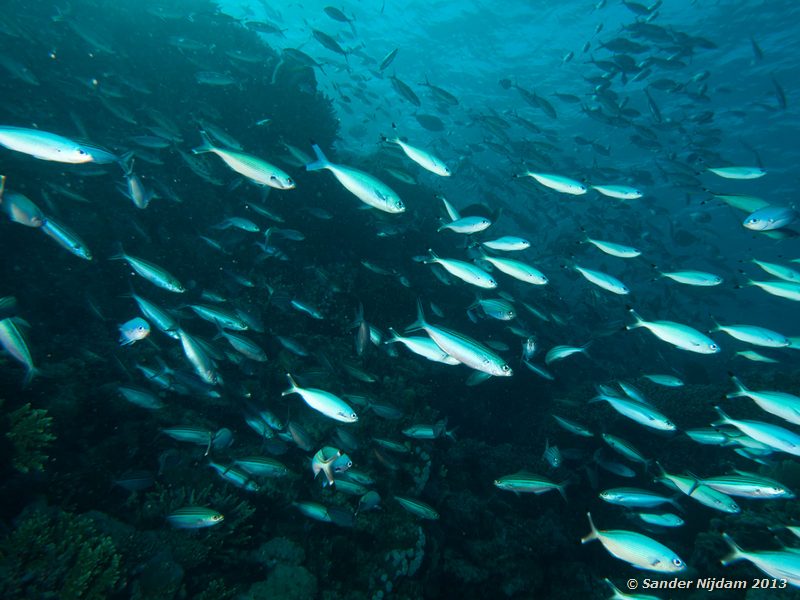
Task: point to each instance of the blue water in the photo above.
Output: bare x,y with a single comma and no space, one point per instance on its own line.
92,481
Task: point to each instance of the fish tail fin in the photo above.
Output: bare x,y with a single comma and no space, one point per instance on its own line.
432,258
126,162
724,418
32,372
420,322
562,488
359,318
736,552
292,386
322,161
614,589
119,252
394,337
206,146
639,321
451,210
593,534
674,502
741,389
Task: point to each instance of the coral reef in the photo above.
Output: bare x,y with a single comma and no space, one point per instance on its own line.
286,582
53,553
30,435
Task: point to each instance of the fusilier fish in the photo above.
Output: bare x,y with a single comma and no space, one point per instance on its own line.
19,208
203,364
779,271
573,427
507,243
774,436
783,289
424,159
561,352
739,172
644,414
559,183
780,564
697,278
661,519
140,397
636,549
752,334
262,466
465,271
665,380
747,485
468,225
235,476
162,319
680,336
621,192
255,169
225,319
66,238
781,404
524,482
517,269
635,498
195,517
151,272
418,508
423,346
328,404
363,186
43,145
13,341
618,250
604,280
463,348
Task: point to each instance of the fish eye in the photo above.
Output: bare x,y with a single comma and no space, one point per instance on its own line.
349,463
677,562
714,347
81,151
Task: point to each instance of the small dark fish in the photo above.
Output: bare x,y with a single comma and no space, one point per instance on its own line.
388,59
330,43
335,14
757,52
135,481
441,95
405,91
654,110
641,9
264,27
505,84
779,93
569,98
430,122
